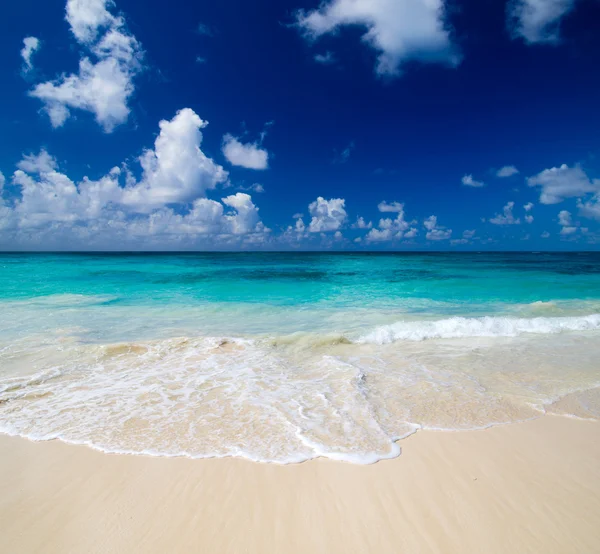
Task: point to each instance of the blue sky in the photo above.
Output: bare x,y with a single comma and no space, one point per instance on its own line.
346,124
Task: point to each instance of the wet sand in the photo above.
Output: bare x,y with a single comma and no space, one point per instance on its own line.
525,487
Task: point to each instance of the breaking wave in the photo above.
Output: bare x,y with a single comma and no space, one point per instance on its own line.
463,327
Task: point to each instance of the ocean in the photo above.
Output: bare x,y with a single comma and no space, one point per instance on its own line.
285,357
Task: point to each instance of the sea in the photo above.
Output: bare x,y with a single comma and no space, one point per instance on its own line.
285,357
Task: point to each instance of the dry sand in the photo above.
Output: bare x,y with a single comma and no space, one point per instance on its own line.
528,487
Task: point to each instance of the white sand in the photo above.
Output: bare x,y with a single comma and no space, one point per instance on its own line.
529,487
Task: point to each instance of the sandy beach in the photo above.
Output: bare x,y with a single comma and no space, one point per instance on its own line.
526,487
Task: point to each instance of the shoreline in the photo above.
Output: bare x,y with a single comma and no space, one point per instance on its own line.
523,487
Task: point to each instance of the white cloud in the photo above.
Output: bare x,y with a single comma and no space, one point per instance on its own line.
529,218
466,237
393,207
591,208
325,59
87,17
435,231
564,218
537,21
398,30
562,182
545,235
176,170
389,229
2,181
38,163
30,46
468,181
568,230
104,83
327,215
250,155
507,171
527,207
362,224
166,207
507,217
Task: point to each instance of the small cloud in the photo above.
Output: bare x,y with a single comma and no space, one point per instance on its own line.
257,187
507,171
527,207
537,21
564,218
200,59
545,235
435,231
468,181
30,46
391,207
205,30
249,155
362,224
507,217
325,59
344,156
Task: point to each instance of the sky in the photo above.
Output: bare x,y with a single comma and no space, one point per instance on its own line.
300,125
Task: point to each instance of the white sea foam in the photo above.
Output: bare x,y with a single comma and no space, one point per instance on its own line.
290,399
461,327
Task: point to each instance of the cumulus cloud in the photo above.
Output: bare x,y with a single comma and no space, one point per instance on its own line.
507,171
564,218
327,215
398,30
527,207
87,17
176,170
389,229
466,237
392,207
506,217
562,182
591,208
362,224
167,206
30,46
537,21
38,163
468,181
435,231
250,155
529,218
104,82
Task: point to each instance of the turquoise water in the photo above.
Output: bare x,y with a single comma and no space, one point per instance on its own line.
287,356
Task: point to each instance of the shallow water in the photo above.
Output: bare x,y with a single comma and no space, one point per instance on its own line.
286,357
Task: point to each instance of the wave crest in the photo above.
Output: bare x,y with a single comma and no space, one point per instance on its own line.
462,327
